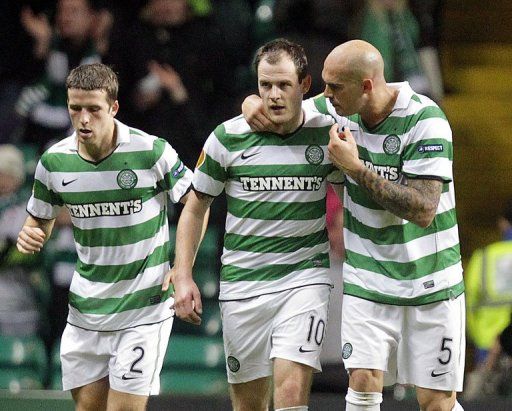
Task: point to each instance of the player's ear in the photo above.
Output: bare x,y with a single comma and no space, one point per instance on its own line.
367,85
306,84
114,108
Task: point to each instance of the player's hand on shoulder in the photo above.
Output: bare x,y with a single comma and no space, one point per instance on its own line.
30,240
254,114
187,298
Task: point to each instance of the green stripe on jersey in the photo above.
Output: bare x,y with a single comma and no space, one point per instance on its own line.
42,193
116,236
115,273
73,163
402,125
398,234
213,169
265,210
260,244
406,271
305,136
441,295
138,299
272,272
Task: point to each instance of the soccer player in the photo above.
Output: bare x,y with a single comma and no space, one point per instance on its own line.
275,285
115,181
403,306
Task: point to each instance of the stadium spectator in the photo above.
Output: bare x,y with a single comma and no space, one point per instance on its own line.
116,182
76,37
20,309
182,81
489,300
392,28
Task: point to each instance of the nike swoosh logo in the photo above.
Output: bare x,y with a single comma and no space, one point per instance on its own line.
124,377
246,156
435,374
303,350
65,183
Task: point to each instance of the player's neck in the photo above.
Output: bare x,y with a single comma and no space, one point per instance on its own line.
292,125
380,107
98,150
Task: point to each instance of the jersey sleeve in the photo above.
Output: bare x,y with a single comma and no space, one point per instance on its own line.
171,173
429,149
44,202
211,174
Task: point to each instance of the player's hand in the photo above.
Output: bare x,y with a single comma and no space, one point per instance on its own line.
187,298
254,114
30,240
343,150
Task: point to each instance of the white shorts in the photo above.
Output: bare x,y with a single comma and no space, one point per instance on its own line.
289,325
420,345
132,358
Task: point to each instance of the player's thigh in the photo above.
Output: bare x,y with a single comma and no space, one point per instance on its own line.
91,397
139,353
432,352
292,383
299,326
84,358
252,395
121,401
246,330
370,333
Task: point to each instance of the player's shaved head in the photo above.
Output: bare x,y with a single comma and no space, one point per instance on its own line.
356,60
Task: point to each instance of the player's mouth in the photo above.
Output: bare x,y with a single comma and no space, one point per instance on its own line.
84,132
277,109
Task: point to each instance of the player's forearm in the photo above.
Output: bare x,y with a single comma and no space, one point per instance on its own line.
403,201
191,228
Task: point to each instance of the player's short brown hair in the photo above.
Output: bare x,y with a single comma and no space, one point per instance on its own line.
272,53
95,76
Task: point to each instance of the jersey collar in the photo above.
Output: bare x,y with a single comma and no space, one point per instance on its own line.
404,96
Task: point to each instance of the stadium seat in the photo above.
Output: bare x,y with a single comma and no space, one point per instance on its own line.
23,353
194,382
194,352
55,368
15,379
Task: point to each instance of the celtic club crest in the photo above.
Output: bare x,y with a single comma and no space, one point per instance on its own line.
391,144
127,179
314,154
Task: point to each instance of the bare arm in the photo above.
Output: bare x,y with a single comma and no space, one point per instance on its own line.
191,228
34,233
416,202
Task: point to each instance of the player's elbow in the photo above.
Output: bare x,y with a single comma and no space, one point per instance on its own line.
425,217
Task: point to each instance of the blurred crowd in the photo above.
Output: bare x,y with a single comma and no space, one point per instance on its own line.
184,67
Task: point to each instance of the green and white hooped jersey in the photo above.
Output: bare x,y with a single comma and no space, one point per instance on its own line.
118,209
388,259
275,187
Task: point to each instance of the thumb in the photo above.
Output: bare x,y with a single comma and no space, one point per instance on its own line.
198,307
167,281
333,131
